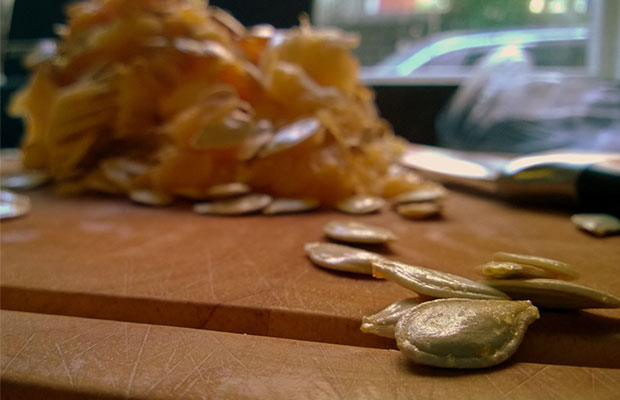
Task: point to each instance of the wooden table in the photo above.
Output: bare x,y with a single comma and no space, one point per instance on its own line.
101,297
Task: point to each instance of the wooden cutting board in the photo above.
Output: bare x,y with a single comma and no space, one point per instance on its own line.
107,258
50,357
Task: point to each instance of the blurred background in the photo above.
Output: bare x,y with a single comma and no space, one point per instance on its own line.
415,53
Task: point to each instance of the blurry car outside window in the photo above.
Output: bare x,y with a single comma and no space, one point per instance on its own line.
417,38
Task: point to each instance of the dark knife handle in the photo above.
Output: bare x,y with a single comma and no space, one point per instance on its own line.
598,188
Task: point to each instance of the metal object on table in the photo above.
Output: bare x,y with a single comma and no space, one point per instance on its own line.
586,180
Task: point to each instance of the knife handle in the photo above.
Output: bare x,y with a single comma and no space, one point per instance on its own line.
598,188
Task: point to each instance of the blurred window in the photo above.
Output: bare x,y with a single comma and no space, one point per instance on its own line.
412,38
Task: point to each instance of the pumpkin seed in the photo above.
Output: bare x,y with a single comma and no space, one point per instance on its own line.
150,197
288,206
10,161
432,282
460,333
419,210
25,180
384,322
361,204
13,205
227,190
290,136
597,224
121,171
553,293
228,132
553,266
252,145
507,270
356,232
204,48
426,193
247,204
341,258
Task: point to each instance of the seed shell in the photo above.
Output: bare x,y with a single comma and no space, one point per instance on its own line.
357,232
290,206
423,194
252,145
341,258
227,190
361,204
553,266
25,180
247,204
461,333
290,136
510,270
384,322
150,197
13,205
553,293
432,282
597,224
419,210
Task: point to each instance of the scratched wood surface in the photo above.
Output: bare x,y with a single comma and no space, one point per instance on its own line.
46,356
107,258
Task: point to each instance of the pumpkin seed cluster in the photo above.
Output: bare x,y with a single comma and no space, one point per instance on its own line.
466,324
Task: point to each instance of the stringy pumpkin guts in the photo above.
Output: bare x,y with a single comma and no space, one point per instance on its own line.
175,97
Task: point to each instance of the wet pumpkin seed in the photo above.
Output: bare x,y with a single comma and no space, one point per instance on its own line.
432,282
253,144
384,322
13,205
227,190
597,224
341,258
462,333
229,132
419,210
357,232
427,193
121,171
553,293
25,180
556,267
508,270
247,204
361,204
150,197
290,136
290,206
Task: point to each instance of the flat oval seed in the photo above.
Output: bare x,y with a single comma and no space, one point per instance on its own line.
553,293
508,270
459,333
356,232
247,204
384,322
433,283
554,266
150,197
597,224
291,135
226,190
25,180
290,206
13,205
424,194
121,171
361,204
419,210
341,258
253,144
